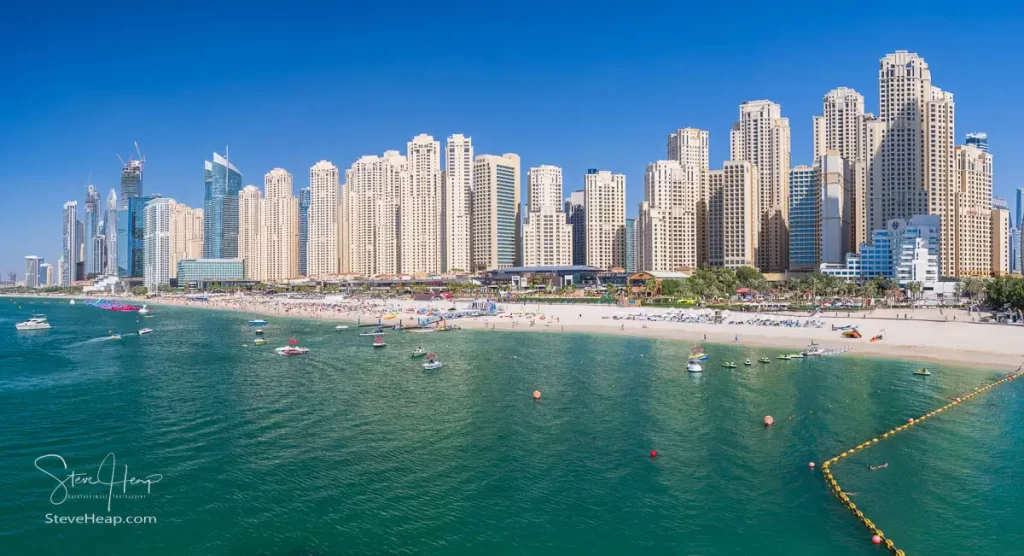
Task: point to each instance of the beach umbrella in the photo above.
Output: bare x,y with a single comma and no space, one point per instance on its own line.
293,342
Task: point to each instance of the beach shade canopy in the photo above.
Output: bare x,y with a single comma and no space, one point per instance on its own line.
293,342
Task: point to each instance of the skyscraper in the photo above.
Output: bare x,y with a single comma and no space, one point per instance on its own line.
322,243
220,208
45,274
835,234
131,238
69,252
32,271
457,204
280,226
186,238
1020,208
689,147
110,228
303,228
157,217
761,137
495,241
547,238
605,217
979,140
131,181
93,216
804,214
251,243
575,215
840,127
1000,228
373,188
420,208
971,227
740,226
667,225
630,245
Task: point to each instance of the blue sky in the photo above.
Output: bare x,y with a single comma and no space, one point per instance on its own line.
576,85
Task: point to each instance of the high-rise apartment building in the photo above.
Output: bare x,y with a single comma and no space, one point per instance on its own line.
110,228
220,208
420,208
971,226
739,218
575,215
804,219
280,227
69,251
942,179
840,127
93,215
631,245
131,233
605,219
186,236
46,274
547,237
131,181
157,218
251,243
834,212
761,137
667,232
373,187
979,140
1000,241
457,204
32,271
496,238
304,228
689,147
322,244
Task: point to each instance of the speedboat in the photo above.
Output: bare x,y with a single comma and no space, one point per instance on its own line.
697,354
923,372
259,331
37,322
796,356
341,327
257,322
145,331
432,362
747,363
729,364
378,342
144,310
115,336
813,349
291,350
764,360
419,352
259,341
693,366
376,332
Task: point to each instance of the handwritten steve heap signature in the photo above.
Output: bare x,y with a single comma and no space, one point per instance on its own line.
104,476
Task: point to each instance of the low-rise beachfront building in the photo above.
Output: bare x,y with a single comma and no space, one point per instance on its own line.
905,251
198,273
558,276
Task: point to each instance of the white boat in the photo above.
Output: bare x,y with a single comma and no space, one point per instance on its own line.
144,310
693,366
291,350
379,343
259,331
813,349
419,352
37,322
72,302
341,327
432,362
145,331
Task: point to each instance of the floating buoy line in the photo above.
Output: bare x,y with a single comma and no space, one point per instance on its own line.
877,536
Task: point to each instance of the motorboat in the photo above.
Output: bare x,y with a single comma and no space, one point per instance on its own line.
291,350
144,310
796,356
376,332
145,331
419,352
764,360
784,357
747,363
923,372
697,354
693,366
729,364
115,336
341,327
260,341
37,322
257,322
432,362
378,342
259,331
813,349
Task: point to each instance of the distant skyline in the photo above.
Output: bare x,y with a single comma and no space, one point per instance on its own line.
541,87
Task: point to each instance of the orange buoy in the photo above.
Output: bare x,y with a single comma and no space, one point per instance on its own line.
768,421
536,394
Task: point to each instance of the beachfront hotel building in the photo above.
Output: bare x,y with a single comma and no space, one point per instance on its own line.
457,204
667,223
420,209
322,244
496,237
575,215
198,273
804,214
904,250
761,137
689,147
304,228
186,237
605,219
373,186
547,237
69,250
279,227
972,226
740,214
157,252
251,243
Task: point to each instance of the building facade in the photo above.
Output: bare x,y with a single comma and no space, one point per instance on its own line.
373,187
971,227
978,140
689,147
804,215
131,181
198,272
496,239
834,212
740,212
69,249
322,245
631,245
575,215
1000,242
32,271
280,227
93,216
46,275
457,204
605,219
667,233
110,227
420,209
157,217
251,244
186,237
222,182
547,237
904,250
761,137
303,228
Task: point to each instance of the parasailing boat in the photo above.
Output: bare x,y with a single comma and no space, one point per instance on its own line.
432,362
378,342
292,348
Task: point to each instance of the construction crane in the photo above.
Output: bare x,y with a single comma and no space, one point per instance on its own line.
122,160
139,152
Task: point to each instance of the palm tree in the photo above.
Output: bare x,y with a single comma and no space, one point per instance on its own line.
914,288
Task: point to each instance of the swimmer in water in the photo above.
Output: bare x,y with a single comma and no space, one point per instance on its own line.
877,467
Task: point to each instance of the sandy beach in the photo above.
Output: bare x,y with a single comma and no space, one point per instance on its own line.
946,336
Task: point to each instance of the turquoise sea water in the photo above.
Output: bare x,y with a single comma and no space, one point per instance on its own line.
351,450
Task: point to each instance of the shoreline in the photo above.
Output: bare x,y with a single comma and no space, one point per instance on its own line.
923,337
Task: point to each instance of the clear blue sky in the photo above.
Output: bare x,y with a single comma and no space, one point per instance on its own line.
576,85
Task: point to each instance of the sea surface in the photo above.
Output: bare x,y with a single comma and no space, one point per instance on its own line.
354,450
